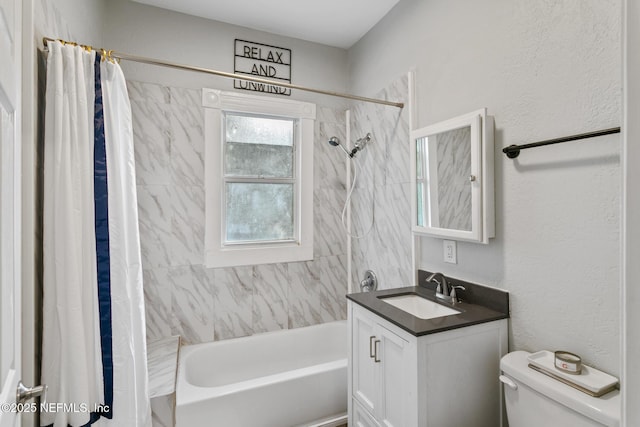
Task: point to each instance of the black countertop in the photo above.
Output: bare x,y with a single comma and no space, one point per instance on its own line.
471,313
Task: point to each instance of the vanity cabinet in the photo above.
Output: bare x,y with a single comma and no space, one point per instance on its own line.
445,379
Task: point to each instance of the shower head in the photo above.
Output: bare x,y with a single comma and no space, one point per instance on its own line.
335,142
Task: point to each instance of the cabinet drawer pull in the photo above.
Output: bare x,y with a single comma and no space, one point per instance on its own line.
375,352
371,353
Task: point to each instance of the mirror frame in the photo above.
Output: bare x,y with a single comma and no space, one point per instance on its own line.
482,187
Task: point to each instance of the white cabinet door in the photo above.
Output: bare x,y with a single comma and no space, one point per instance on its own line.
365,388
394,387
380,369
10,88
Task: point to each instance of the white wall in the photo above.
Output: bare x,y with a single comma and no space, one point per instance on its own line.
81,20
631,214
544,70
152,32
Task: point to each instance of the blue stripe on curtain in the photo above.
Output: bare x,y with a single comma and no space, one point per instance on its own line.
102,244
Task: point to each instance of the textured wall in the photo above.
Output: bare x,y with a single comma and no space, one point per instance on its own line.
182,297
631,214
72,20
544,70
382,191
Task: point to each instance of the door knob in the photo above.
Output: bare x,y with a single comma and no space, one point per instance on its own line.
25,393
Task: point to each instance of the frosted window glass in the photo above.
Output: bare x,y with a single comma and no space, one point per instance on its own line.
420,157
420,195
258,160
259,212
259,146
420,178
259,130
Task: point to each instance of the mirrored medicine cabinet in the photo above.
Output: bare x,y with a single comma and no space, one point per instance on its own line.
452,178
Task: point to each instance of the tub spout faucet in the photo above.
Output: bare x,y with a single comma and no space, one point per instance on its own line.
443,290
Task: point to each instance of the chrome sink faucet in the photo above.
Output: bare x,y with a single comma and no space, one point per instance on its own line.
444,291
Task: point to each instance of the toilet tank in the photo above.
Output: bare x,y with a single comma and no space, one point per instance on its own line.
533,399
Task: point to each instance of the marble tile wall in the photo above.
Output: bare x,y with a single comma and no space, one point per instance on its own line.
184,298
454,191
382,191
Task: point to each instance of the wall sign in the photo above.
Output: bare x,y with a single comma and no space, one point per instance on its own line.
265,61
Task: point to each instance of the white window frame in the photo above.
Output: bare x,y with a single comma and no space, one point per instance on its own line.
217,253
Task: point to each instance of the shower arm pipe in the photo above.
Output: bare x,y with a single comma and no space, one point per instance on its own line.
163,63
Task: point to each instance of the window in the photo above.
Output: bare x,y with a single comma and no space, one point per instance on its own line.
258,179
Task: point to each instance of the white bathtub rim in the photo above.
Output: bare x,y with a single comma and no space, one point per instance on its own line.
187,393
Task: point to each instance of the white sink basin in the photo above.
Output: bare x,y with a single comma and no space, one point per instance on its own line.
419,307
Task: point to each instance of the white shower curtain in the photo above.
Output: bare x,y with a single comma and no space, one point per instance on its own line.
94,350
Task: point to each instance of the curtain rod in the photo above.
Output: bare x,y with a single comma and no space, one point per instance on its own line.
513,151
162,63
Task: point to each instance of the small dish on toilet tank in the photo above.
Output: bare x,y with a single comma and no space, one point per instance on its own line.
591,380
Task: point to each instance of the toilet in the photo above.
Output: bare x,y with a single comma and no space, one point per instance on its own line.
533,399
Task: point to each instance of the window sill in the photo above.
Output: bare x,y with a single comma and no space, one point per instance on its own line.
264,254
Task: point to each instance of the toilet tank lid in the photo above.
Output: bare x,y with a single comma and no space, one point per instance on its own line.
605,409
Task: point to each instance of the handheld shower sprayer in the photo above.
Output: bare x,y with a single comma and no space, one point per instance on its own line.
334,141
359,144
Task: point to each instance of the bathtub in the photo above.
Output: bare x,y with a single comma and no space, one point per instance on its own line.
295,377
